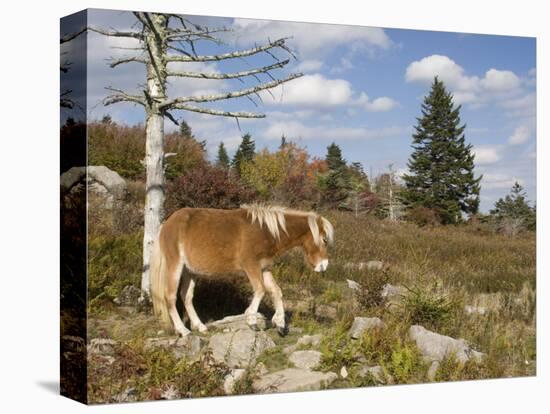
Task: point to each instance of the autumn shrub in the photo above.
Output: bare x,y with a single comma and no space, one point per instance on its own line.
423,216
207,187
122,149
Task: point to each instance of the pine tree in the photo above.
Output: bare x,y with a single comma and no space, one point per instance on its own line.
514,210
337,181
244,153
441,166
222,159
185,130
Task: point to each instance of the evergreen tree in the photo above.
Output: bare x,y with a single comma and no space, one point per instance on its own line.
514,210
223,159
185,130
283,142
244,153
337,185
442,164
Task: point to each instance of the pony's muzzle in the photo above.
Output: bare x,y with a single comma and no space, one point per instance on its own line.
321,266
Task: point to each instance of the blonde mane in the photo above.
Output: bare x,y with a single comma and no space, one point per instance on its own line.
274,219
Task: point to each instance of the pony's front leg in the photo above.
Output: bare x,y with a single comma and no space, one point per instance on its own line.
255,278
277,297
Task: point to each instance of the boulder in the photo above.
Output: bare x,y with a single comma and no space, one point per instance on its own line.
305,359
231,379
189,346
393,295
435,347
432,371
101,181
128,296
294,379
237,322
370,265
102,346
361,325
377,373
353,285
240,348
310,340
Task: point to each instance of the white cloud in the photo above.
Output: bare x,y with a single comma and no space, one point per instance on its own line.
344,65
310,65
523,106
521,134
466,89
296,129
486,154
314,90
500,80
381,104
310,39
496,181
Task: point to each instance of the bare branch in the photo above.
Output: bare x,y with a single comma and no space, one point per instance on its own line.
217,112
116,33
69,37
242,74
116,62
174,120
228,95
231,55
121,96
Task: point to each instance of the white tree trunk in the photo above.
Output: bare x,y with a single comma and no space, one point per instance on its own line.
154,147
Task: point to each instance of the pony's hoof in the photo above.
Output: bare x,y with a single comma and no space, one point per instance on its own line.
254,327
282,331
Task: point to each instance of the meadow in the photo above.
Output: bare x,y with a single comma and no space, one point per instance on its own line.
464,281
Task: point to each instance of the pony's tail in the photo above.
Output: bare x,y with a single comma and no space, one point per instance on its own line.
158,284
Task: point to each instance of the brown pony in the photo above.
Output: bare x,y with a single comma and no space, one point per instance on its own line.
210,242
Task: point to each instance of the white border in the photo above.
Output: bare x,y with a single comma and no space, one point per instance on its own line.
29,214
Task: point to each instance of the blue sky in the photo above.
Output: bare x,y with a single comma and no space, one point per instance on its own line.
362,88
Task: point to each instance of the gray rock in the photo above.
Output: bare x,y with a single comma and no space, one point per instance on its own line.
101,181
102,346
72,343
305,359
313,340
370,265
393,295
361,325
353,285
432,371
344,372
377,373
289,349
475,310
435,347
294,379
237,322
189,346
261,369
239,348
128,296
231,379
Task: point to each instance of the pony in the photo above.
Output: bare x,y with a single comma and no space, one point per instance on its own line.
205,242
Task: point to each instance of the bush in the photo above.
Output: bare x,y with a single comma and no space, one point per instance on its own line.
423,216
206,187
425,308
369,294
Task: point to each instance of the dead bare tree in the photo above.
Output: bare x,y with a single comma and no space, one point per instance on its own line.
166,39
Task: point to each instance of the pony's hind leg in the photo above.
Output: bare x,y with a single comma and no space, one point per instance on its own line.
277,297
187,289
255,278
174,269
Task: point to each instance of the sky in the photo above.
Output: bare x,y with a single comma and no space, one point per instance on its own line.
362,88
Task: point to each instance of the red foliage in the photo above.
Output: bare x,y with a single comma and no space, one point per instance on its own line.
208,187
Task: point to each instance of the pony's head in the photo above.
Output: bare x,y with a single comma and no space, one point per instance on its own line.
315,243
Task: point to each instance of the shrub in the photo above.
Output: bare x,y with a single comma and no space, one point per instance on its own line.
207,187
425,308
423,216
369,295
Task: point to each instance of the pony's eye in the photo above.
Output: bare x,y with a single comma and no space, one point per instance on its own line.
325,241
